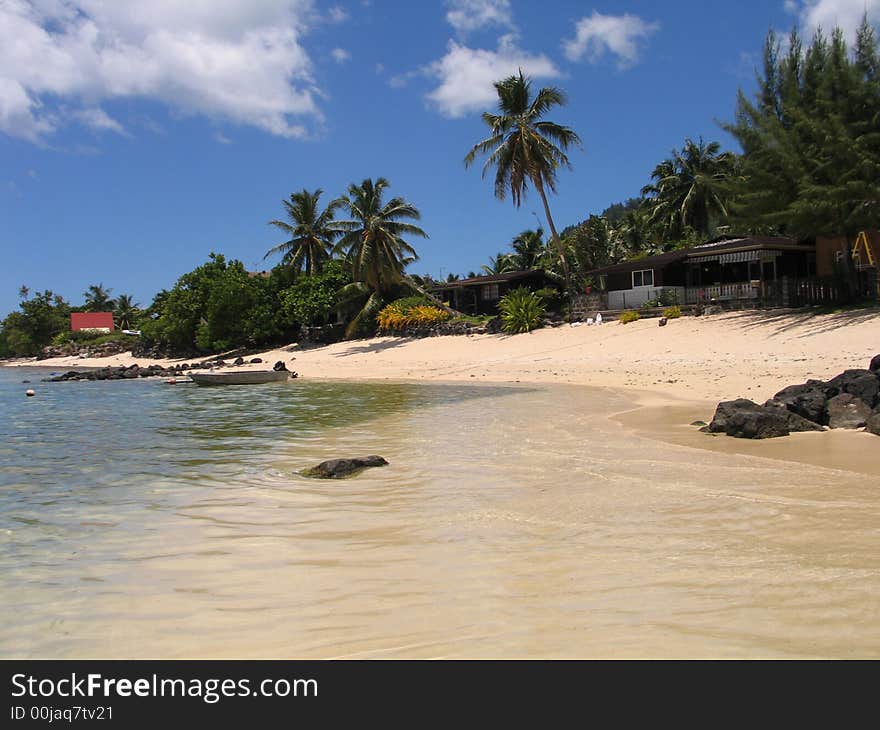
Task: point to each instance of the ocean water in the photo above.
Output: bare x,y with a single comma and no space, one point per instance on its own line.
139,519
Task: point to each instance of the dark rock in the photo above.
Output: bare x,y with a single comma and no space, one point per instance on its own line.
238,361
807,400
742,418
699,423
873,424
338,468
256,360
279,366
847,411
874,367
25,381
794,421
663,321
863,384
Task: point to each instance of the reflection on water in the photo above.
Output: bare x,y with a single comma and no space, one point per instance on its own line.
138,519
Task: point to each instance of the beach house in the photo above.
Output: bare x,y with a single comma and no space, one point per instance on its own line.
91,321
481,294
743,271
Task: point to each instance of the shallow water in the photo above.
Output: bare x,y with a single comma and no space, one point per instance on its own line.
144,520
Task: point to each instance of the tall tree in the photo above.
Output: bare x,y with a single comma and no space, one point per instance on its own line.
126,311
311,232
811,138
98,298
374,246
690,190
525,148
529,250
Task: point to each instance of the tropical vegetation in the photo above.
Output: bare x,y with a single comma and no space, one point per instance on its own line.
521,311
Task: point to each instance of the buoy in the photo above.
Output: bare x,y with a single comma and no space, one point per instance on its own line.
171,381
29,393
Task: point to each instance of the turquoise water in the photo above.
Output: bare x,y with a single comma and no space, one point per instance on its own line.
140,519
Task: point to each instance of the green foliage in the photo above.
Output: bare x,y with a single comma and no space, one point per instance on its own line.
98,299
41,317
521,311
667,298
87,337
551,297
311,232
629,316
672,312
811,138
311,300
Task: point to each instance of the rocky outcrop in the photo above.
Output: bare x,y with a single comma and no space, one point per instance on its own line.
807,400
847,411
849,400
742,418
338,468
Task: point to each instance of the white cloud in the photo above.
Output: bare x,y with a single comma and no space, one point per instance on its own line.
340,55
618,34
467,75
468,15
222,138
99,120
237,60
337,14
828,14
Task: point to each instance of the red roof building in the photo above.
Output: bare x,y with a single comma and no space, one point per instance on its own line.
91,321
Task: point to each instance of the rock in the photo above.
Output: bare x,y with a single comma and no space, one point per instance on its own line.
794,421
807,400
847,411
863,384
338,468
742,418
699,423
279,366
663,321
873,424
874,367
256,360
238,361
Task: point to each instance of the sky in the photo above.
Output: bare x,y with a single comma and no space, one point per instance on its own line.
139,136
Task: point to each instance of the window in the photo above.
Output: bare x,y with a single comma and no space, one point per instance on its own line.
489,292
643,278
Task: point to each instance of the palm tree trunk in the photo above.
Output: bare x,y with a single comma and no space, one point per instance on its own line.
566,272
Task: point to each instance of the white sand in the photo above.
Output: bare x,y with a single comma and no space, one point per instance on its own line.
741,354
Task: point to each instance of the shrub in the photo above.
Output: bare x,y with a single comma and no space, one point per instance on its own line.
521,311
410,312
629,316
672,312
551,297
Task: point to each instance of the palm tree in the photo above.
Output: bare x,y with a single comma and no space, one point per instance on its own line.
311,232
690,190
525,148
528,249
98,298
499,264
372,240
126,311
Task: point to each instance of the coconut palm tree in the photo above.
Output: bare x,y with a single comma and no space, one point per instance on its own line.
98,298
500,264
372,241
311,232
126,311
524,148
529,249
691,189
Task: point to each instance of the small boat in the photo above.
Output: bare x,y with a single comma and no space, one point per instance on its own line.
241,377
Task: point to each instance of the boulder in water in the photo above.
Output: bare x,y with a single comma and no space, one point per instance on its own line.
338,468
742,418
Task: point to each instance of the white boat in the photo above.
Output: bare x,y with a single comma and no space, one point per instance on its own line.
241,377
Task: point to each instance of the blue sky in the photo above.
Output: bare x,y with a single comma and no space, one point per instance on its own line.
136,137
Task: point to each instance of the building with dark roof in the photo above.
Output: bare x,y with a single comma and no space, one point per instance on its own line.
480,294
747,269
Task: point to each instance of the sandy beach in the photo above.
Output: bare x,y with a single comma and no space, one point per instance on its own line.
749,354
